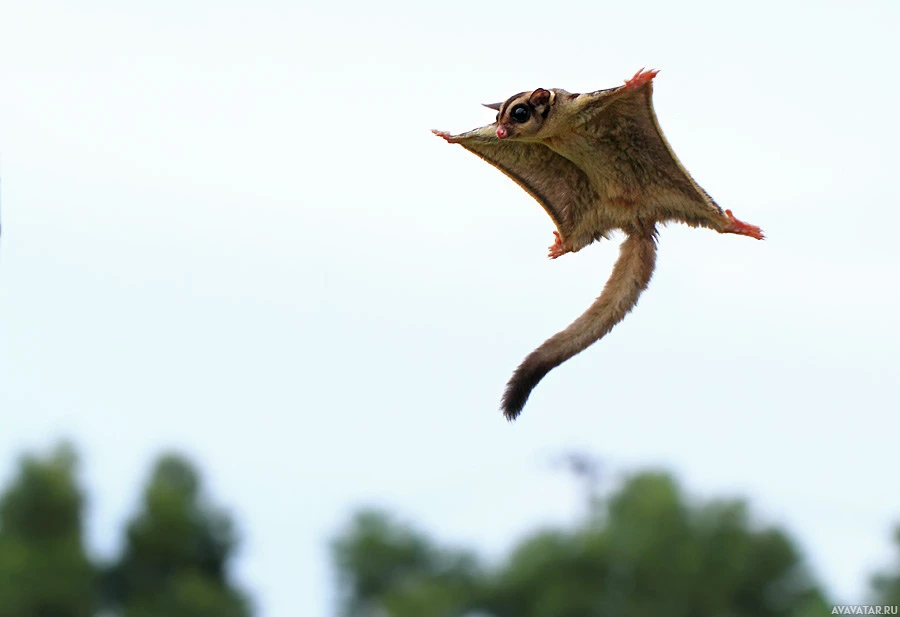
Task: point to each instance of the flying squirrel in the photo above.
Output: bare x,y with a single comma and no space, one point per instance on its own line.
596,162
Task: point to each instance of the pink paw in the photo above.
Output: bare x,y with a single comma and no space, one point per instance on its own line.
640,78
558,248
443,135
742,228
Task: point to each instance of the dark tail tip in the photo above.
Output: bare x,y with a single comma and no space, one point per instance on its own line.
520,385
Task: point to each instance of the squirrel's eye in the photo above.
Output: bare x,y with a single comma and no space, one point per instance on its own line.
520,114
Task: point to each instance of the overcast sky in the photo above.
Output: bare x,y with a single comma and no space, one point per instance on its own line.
228,229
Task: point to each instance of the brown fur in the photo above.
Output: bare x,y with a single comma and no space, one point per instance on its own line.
596,162
630,277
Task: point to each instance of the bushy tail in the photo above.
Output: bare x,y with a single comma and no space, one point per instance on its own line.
630,276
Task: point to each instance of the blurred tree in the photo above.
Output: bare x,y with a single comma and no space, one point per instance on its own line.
176,553
648,554
887,585
386,568
651,554
44,570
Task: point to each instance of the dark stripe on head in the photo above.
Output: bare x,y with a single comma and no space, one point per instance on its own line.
509,102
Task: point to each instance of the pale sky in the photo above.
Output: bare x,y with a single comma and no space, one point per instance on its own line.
227,229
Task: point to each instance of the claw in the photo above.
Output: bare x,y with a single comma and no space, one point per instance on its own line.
558,248
641,78
744,229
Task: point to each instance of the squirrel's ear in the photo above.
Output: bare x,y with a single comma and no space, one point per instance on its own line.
541,97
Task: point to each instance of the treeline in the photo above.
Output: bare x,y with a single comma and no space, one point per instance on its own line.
644,550
173,563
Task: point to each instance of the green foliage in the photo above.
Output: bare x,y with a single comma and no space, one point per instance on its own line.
648,553
174,563
189,594
887,585
385,566
176,553
44,570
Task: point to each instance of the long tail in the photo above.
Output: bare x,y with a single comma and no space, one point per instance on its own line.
630,276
